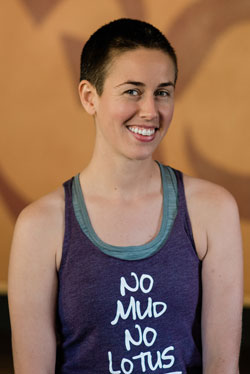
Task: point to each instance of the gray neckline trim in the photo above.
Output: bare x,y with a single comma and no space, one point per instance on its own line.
137,252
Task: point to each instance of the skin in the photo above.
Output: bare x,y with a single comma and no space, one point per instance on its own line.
129,178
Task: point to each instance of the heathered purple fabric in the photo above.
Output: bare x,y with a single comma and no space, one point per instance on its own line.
118,316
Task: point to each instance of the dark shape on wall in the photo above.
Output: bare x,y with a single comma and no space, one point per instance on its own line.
194,32
237,184
133,9
40,9
12,198
73,48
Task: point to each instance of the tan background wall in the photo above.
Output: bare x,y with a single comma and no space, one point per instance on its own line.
45,135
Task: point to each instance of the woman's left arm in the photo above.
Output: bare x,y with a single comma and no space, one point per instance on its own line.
222,283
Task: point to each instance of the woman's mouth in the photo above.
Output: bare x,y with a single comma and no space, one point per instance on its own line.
142,130
143,134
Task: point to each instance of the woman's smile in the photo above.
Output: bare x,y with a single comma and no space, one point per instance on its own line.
143,134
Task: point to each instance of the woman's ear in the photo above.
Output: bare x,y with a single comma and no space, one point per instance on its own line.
87,96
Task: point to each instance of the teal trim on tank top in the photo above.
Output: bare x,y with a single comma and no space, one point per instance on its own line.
137,252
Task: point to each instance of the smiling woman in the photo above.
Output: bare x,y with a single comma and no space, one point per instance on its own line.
133,265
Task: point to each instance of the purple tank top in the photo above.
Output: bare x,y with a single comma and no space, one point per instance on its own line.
129,317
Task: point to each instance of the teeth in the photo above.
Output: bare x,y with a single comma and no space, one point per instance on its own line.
141,131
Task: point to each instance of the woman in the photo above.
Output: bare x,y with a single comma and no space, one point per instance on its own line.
135,265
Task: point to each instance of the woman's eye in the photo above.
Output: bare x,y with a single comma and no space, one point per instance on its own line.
132,92
163,93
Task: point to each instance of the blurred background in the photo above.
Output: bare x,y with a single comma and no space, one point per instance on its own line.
46,137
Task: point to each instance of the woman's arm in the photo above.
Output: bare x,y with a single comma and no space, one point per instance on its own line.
32,286
222,281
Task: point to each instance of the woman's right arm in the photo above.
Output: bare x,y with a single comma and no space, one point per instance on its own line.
32,286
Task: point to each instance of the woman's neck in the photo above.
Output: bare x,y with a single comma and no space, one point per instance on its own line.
118,177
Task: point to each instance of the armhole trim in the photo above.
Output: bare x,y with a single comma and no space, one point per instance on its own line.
184,209
67,222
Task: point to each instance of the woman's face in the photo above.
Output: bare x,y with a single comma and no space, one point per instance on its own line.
136,107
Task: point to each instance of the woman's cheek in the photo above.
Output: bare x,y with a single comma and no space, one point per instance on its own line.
126,110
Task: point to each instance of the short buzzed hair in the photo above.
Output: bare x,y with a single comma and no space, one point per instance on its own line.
114,38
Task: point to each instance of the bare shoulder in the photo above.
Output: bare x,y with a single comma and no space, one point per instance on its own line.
208,195
40,226
212,209
44,211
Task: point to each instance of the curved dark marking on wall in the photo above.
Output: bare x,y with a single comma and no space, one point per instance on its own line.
40,9
73,49
11,197
133,8
237,184
197,28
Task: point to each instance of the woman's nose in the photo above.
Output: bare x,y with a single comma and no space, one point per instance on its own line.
148,108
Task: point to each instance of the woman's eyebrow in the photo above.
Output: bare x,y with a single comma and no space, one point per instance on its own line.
140,84
134,83
166,84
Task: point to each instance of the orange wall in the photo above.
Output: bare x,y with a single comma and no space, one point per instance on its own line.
45,135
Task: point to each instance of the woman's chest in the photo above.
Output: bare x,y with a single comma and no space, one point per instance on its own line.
126,223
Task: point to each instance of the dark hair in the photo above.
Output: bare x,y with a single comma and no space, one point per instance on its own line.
114,38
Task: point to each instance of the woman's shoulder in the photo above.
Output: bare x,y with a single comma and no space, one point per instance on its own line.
207,194
39,230
45,211
212,210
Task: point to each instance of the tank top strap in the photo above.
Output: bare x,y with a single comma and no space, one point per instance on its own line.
182,206
68,218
